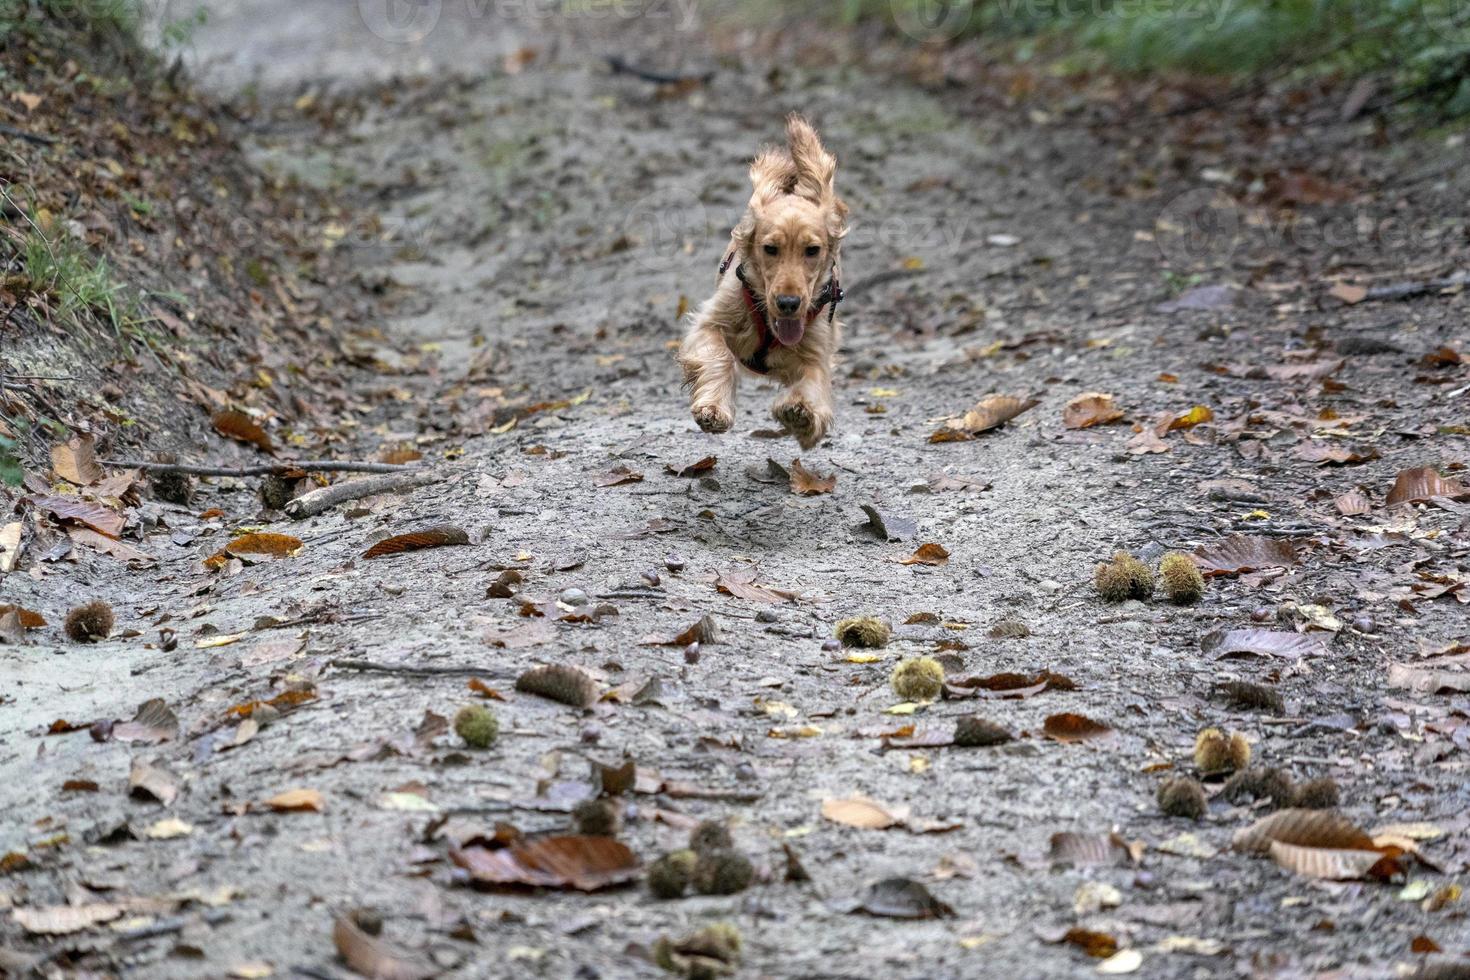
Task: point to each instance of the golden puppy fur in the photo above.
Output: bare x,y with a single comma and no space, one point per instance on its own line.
786,250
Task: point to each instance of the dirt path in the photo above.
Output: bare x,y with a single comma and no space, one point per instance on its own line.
543,229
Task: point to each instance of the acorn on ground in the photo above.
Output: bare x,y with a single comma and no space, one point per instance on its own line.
669,876
569,685
597,817
1257,697
722,872
1182,797
1317,794
1123,578
477,725
972,731
1260,783
1216,752
710,835
89,623
863,631
1181,579
918,679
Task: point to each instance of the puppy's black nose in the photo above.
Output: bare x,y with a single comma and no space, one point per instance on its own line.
788,305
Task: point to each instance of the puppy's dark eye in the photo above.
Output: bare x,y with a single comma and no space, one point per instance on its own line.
772,250
813,250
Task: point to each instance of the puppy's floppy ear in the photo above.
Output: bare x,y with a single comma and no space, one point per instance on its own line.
815,167
772,174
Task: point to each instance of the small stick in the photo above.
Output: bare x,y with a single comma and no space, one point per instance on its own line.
679,791
1409,290
414,670
27,135
619,66
310,504
262,469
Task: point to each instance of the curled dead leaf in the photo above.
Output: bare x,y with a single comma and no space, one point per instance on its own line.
1417,486
1353,504
76,461
297,801
1082,850
430,537
372,957
242,428
1197,415
1334,864
576,861
1221,644
1071,727
1305,828
809,484
927,554
1089,409
27,618
257,543
901,898
859,811
990,412
1240,553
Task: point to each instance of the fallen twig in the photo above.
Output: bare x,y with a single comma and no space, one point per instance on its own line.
681,791
309,504
413,670
1409,290
27,135
260,469
619,66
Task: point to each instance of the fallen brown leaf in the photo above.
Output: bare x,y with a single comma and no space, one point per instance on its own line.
1239,553
76,462
809,484
1089,409
297,801
372,957
859,811
581,862
927,554
1417,486
429,537
93,515
242,428
1071,727
990,412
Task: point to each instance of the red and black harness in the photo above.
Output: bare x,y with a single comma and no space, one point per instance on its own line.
759,360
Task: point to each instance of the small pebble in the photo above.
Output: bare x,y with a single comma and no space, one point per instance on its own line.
831,645
766,616
1363,624
573,597
1260,614
691,653
651,577
674,562
590,734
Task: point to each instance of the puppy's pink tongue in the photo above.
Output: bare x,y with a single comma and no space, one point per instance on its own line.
789,330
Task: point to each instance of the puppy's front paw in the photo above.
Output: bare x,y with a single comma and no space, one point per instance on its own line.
802,422
713,419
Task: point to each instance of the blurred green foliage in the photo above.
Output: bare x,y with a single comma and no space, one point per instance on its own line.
1421,46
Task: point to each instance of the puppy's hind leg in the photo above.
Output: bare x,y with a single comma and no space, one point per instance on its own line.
710,373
